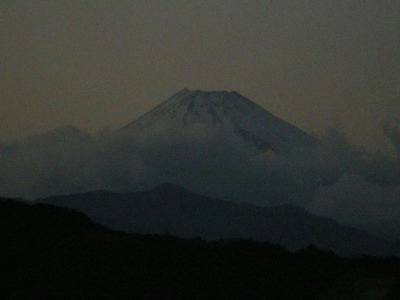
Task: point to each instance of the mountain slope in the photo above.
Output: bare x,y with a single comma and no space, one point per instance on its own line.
174,210
220,115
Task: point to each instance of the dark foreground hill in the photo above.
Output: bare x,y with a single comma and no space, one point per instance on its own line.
57,253
170,209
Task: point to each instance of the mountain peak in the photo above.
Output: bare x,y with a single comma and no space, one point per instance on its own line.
186,91
215,115
185,95
182,92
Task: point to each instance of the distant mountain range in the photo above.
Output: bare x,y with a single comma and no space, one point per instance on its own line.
215,143
170,209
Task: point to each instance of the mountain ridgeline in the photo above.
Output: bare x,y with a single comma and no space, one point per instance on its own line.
103,224
170,209
222,145
57,253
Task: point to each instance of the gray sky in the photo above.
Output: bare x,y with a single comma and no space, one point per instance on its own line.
98,63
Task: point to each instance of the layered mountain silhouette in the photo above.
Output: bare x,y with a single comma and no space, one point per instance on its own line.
170,209
57,253
215,143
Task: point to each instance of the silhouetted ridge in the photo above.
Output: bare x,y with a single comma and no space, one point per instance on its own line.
57,253
169,208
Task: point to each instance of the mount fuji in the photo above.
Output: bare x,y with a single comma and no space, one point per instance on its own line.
207,141
220,117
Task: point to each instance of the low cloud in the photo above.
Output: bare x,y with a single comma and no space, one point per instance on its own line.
333,179
355,201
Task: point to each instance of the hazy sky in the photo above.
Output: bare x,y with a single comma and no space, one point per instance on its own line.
102,62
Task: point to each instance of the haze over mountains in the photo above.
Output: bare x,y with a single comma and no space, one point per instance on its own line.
180,141
173,210
218,144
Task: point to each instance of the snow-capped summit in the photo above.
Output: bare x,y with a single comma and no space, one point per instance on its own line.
218,115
